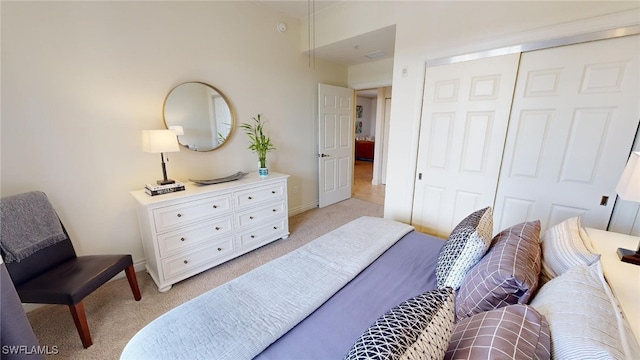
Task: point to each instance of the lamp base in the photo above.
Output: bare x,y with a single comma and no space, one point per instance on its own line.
165,182
629,256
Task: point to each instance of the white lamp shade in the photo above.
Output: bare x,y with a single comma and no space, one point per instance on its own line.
629,186
159,141
177,129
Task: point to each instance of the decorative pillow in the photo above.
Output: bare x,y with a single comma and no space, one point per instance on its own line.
514,332
563,247
507,274
466,245
584,317
419,328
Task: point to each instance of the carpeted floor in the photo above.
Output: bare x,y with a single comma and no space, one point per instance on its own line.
114,317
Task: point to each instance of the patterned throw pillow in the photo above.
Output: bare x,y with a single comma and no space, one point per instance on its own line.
507,274
466,245
419,328
563,247
514,331
584,317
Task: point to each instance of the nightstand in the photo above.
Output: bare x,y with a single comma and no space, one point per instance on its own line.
623,278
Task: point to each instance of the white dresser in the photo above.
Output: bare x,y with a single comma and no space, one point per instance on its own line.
187,232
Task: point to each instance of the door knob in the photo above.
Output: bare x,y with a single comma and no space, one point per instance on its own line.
323,155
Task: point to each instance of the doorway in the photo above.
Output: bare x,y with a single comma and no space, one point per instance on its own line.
369,146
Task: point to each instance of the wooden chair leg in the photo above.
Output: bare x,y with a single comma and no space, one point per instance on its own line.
133,282
80,319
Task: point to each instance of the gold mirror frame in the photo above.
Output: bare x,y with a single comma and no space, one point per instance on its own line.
204,112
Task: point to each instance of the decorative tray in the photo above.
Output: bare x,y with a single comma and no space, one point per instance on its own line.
237,176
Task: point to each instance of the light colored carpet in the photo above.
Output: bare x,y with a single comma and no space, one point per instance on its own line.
114,317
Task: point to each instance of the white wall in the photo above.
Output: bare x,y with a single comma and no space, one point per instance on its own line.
80,80
372,74
434,29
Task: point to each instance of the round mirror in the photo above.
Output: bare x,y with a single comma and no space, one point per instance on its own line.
204,114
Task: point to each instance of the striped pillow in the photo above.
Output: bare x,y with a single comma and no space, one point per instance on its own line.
514,331
563,247
507,274
584,317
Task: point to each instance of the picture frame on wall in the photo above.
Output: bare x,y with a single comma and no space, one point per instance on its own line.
358,111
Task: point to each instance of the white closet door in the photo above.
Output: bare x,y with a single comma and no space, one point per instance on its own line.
465,112
574,117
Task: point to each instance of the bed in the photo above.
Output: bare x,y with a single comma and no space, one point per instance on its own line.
376,288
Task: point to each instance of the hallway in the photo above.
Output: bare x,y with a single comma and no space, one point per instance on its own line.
362,187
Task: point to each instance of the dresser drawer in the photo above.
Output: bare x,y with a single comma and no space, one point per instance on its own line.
259,215
176,215
195,258
250,197
263,233
184,238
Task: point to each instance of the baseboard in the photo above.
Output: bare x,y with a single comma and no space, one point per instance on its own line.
302,208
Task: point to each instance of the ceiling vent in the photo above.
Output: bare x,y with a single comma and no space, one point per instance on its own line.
375,54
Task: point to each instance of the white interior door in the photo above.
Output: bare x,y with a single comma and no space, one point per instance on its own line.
465,113
336,137
574,118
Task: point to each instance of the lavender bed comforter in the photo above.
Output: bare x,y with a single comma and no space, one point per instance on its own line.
405,270
241,318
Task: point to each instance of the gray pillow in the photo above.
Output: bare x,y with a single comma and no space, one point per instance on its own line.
564,246
466,245
419,328
514,331
507,274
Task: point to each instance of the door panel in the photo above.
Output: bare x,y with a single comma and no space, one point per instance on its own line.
463,127
335,154
575,114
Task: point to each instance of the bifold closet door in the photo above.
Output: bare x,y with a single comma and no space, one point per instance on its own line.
465,112
574,117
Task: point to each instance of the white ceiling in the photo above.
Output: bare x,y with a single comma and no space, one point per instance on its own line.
299,8
347,52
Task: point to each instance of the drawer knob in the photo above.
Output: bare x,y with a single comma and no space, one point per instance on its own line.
253,236
250,198
274,210
273,191
250,217
275,228
219,249
217,227
186,261
182,239
215,206
179,215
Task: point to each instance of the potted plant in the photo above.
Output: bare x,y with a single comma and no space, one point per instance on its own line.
259,142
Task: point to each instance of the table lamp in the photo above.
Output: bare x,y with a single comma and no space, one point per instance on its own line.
629,189
160,141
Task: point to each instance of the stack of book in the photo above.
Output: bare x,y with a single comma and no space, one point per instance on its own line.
154,189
